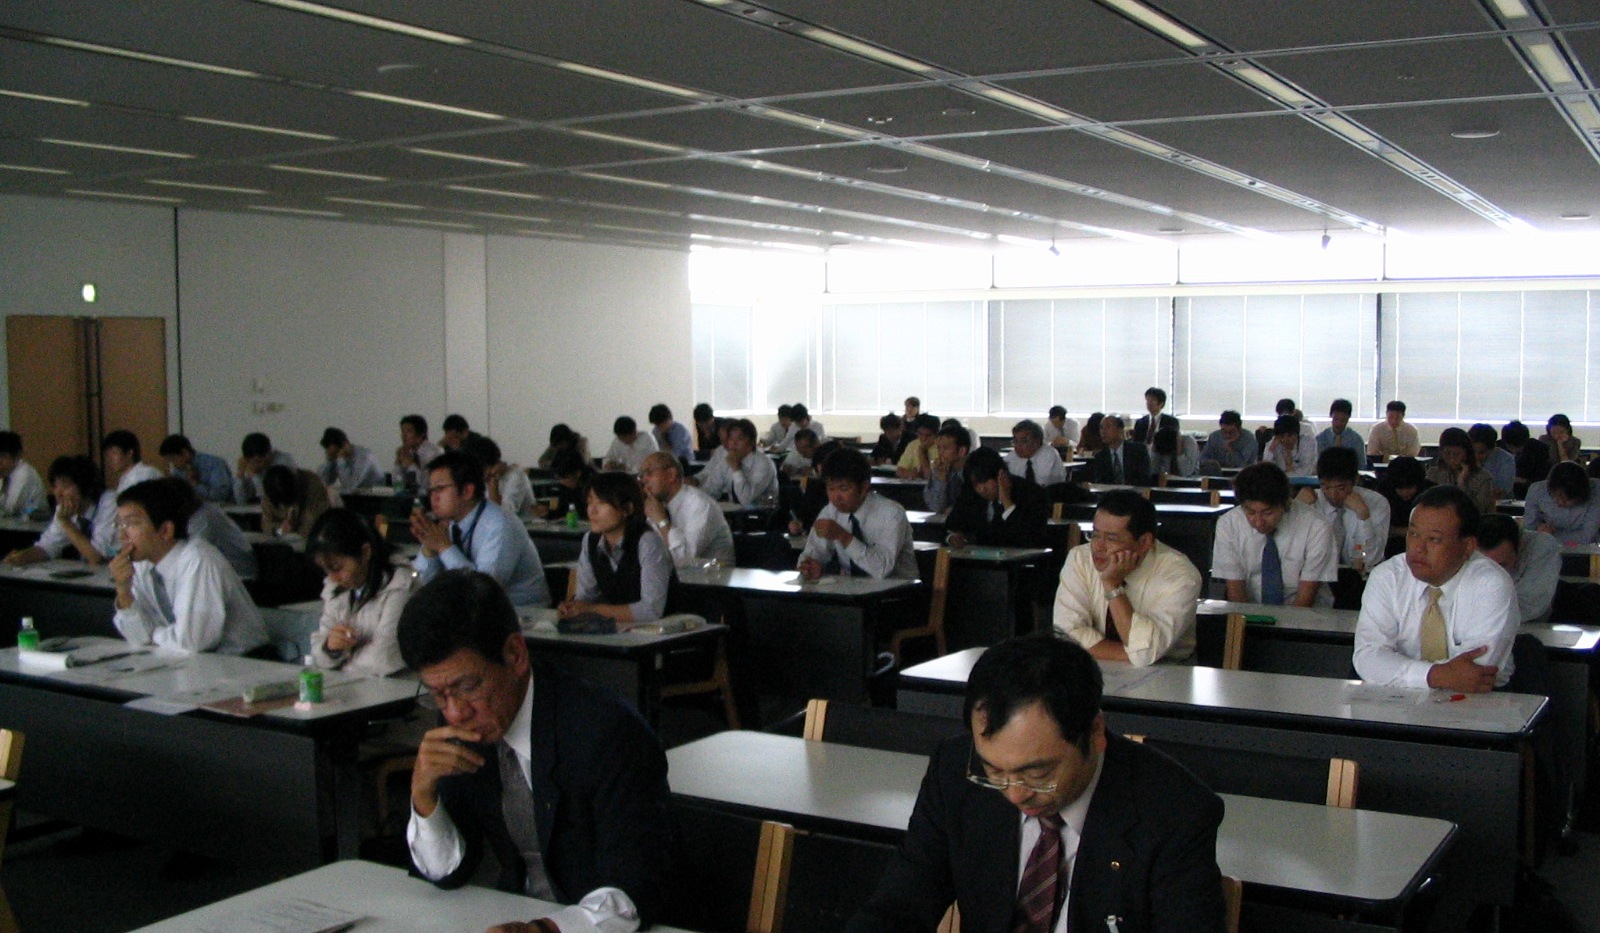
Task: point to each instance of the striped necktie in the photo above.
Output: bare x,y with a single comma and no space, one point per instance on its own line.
1040,893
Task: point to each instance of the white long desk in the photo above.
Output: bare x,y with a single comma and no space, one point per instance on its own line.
386,899
64,597
1461,761
279,787
1322,856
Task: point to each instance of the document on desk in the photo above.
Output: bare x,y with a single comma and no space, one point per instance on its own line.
293,915
159,706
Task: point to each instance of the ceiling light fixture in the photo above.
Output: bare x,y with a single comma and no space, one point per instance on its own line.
1159,23
361,19
435,223
326,173
145,57
159,153
644,84
623,140
425,105
365,203
130,197
1480,133
463,157
45,98
35,168
867,50
257,128
226,189
299,211
521,195
1575,215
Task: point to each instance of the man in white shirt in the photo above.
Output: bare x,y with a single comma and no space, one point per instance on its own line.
120,454
742,472
1124,595
1031,459
560,780
1360,517
1060,431
1286,406
778,435
171,591
804,422
689,521
21,489
505,484
1292,451
1443,615
1272,549
415,452
797,462
630,446
347,467
1533,559
858,533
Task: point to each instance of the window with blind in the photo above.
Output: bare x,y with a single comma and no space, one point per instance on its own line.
875,354
1088,354
720,341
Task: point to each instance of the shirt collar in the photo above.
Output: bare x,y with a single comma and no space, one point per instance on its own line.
1076,813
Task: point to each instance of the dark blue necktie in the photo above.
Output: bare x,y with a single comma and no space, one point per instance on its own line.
1271,573
855,532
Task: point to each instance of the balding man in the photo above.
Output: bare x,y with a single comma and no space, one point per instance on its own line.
689,521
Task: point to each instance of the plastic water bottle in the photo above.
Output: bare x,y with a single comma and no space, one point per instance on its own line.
572,515
27,636
310,683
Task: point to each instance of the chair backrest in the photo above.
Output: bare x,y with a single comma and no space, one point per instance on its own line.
816,881
10,768
719,873
1220,646
941,590
877,727
1252,773
1232,900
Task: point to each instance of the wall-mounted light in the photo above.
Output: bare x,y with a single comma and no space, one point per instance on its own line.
89,292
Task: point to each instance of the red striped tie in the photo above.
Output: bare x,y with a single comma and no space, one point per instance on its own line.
1039,895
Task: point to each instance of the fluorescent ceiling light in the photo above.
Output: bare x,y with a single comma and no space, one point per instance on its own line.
425,105
519,217
435,223
1027,104
618,227
293,210
1548,61
146,57
130,197
257,128
365,203
468,158
327,173
1132,140
620,180
110,148
1512,9
1349,129
623,140
200,187
1157,22
618,77
522,195
1278,89
45,98
361,19
867,50
35,168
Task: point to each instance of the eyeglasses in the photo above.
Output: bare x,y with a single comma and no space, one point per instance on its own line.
976,775
466,692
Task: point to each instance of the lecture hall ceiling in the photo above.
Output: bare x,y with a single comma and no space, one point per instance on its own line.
815,123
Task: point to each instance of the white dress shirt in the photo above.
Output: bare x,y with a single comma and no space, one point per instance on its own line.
136,474
1302,461
101,518
23,491
1306,548
1371,535
1536,574
416,474
347,474
1047,466
516,493
631,456
1069,430
698,529
754,480
1073,816
887,552
200,604
1163,589
436,847
1479,605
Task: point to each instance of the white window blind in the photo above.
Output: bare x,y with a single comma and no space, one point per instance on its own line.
1087,354
720,338
876,354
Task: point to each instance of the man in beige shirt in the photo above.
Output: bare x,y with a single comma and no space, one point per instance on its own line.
1393,437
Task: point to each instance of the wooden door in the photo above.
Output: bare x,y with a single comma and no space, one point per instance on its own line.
132,356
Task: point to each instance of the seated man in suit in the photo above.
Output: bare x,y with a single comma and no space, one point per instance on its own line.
564,784
1031,459
859,533
469,531
1271,548
1120,462
1442,615
1153,421
995,507
1124,595
990,831
174,591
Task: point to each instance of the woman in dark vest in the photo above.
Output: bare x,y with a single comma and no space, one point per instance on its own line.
624,569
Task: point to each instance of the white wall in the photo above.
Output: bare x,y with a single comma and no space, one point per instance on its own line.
356,325
583,333
50,247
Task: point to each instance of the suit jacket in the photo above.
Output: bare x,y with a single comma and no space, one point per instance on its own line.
1141,428
1024,527
1135,465
599,791
1148,853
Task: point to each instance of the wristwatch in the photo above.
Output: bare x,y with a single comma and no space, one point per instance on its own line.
1119,591
663,523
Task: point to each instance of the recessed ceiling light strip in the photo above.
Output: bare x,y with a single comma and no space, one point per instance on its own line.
257,128
128,197
35,168
297,211
1552,66
131,150
45,98
465,157
375,22
197,186
327,173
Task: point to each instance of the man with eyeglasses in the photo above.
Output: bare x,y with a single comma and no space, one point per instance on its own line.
468,531
1040,821
689,521
559,781
1444,615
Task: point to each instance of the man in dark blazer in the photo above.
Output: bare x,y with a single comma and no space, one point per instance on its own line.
587,823
1038,791
1123,462
1155,399
995,507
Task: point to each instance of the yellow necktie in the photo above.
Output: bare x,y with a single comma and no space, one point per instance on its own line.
1435,647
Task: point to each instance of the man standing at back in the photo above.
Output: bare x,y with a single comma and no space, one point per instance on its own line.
559,780
1153,421
468,531
1039,820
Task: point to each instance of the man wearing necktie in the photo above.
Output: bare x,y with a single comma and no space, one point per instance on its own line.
559,782
1120,461
858,533
1040,821
1444,615
467,530
997,508
1271,548
1030,459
